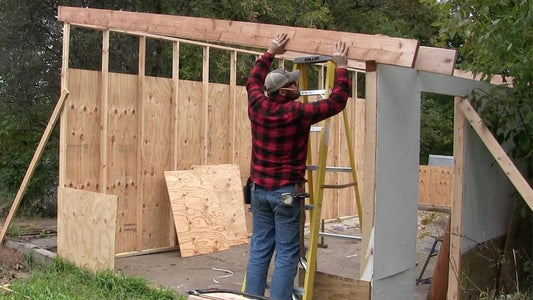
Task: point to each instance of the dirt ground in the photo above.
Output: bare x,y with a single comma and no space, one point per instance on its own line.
225,269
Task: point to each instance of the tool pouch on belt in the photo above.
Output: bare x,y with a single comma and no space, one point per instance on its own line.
247,191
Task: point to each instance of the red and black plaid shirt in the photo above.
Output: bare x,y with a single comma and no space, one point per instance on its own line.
280,127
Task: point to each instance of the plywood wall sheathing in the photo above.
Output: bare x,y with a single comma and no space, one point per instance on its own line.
86,228
365,47
156,157
122,149
82,125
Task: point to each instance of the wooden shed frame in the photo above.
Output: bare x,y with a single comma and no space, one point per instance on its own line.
396,71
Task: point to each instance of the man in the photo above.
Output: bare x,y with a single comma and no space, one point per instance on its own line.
280,132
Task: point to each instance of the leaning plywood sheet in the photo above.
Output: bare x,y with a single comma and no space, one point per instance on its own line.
86,223
365,47
227,183
200,224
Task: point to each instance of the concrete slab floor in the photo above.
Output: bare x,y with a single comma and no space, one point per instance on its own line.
226,269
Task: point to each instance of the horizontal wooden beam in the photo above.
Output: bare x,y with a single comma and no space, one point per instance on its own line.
436,60
495,79
364,47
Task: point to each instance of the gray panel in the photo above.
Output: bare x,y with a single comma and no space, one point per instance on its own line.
398,134
487,207
403,284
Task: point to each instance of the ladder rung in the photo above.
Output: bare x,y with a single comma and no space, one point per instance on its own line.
337,186
313,93
303,263
330,169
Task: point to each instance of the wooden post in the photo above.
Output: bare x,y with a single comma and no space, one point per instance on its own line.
369,180
63,122
104,110
456,217
205,90
140,140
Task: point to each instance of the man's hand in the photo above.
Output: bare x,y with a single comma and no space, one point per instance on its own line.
339,55
277,46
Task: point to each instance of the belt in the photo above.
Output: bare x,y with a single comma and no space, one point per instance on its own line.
299,188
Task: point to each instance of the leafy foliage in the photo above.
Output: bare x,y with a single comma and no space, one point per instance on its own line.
498,41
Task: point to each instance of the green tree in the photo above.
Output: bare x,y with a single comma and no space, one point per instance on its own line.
498,41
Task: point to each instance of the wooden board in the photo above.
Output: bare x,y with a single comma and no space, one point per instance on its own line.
365,47
86,224
197,212
436,60
156,157
228,186
82,113
122,155
435,186
190,131
332,287
218,125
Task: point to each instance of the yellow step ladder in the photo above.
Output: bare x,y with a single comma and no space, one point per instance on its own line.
316,186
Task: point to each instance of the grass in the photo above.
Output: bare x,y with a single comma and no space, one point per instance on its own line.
62,280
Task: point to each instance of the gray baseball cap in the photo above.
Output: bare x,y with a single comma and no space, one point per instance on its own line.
280,78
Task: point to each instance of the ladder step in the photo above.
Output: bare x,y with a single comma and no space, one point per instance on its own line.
330,169
303,263
313,93
338,186
312,59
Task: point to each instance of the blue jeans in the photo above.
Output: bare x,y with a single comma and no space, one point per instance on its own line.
274,227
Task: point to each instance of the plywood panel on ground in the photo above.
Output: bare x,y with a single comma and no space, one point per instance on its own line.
228,187
198,217
86,224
